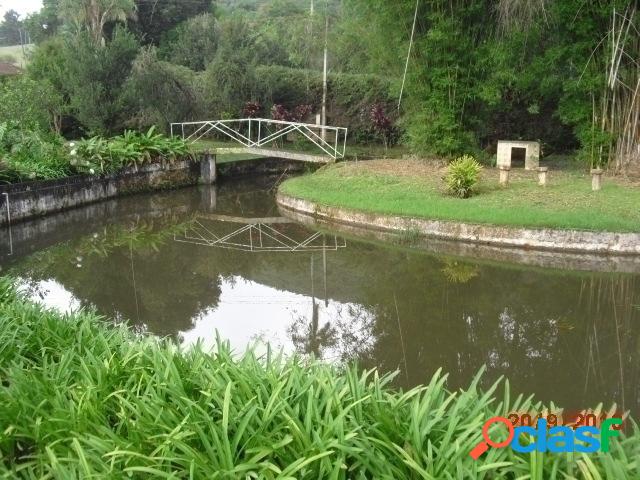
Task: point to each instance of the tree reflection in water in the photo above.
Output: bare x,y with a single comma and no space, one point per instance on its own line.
345,335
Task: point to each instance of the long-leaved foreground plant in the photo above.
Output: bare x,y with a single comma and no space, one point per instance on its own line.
83,399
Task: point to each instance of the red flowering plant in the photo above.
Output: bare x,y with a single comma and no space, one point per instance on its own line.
382,124
301,112
278,112
251,109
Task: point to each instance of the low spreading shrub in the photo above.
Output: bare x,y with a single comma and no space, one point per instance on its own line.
27,154
463,176
83,399
132,149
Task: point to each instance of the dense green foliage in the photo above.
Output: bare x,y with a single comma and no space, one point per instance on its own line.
408,188
81,398
192,43
33,104
481,70
196,64
563,73
154,19
352,96
160,92
463,176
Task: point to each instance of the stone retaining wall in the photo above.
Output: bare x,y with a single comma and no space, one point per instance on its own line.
523,238
34,199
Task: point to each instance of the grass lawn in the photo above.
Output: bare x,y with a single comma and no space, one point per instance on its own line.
353,152
202,145
415,188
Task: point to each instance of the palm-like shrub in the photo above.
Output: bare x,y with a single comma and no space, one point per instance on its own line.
462,177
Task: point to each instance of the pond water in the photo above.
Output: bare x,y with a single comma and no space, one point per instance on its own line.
193,262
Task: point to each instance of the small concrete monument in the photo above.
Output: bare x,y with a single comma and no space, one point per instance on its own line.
504,174
596,179
542,176
532,153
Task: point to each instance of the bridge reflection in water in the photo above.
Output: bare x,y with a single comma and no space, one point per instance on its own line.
256,235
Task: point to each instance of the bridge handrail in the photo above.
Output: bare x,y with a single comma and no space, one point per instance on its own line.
335,150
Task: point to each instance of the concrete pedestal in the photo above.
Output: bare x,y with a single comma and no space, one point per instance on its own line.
542,176
596,179
504,175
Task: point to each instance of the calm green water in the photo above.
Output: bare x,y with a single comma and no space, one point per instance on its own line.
188,264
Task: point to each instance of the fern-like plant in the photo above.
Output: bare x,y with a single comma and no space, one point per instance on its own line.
463,176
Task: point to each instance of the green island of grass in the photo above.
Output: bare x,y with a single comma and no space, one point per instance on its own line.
82,398
414,188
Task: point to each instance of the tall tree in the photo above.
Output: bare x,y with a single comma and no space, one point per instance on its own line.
45,23
10,29
93,15
95,79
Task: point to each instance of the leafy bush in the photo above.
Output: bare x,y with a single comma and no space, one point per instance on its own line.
131,149
192,43
94,78
159,93
463,176
82,399
30,155
34,104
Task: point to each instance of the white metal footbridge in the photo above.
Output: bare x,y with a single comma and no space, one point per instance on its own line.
304,142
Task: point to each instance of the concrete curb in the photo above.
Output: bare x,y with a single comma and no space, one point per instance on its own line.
523,238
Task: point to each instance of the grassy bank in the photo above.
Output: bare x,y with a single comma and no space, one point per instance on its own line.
82,399
16,54
414,188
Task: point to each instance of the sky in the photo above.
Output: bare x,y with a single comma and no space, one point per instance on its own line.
23,7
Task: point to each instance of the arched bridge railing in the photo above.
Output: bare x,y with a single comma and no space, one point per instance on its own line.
255,134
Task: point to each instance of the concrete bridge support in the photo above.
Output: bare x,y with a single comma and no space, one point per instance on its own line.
208,170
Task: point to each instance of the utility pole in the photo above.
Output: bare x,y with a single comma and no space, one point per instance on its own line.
310,41
22,42
324,74
310,44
